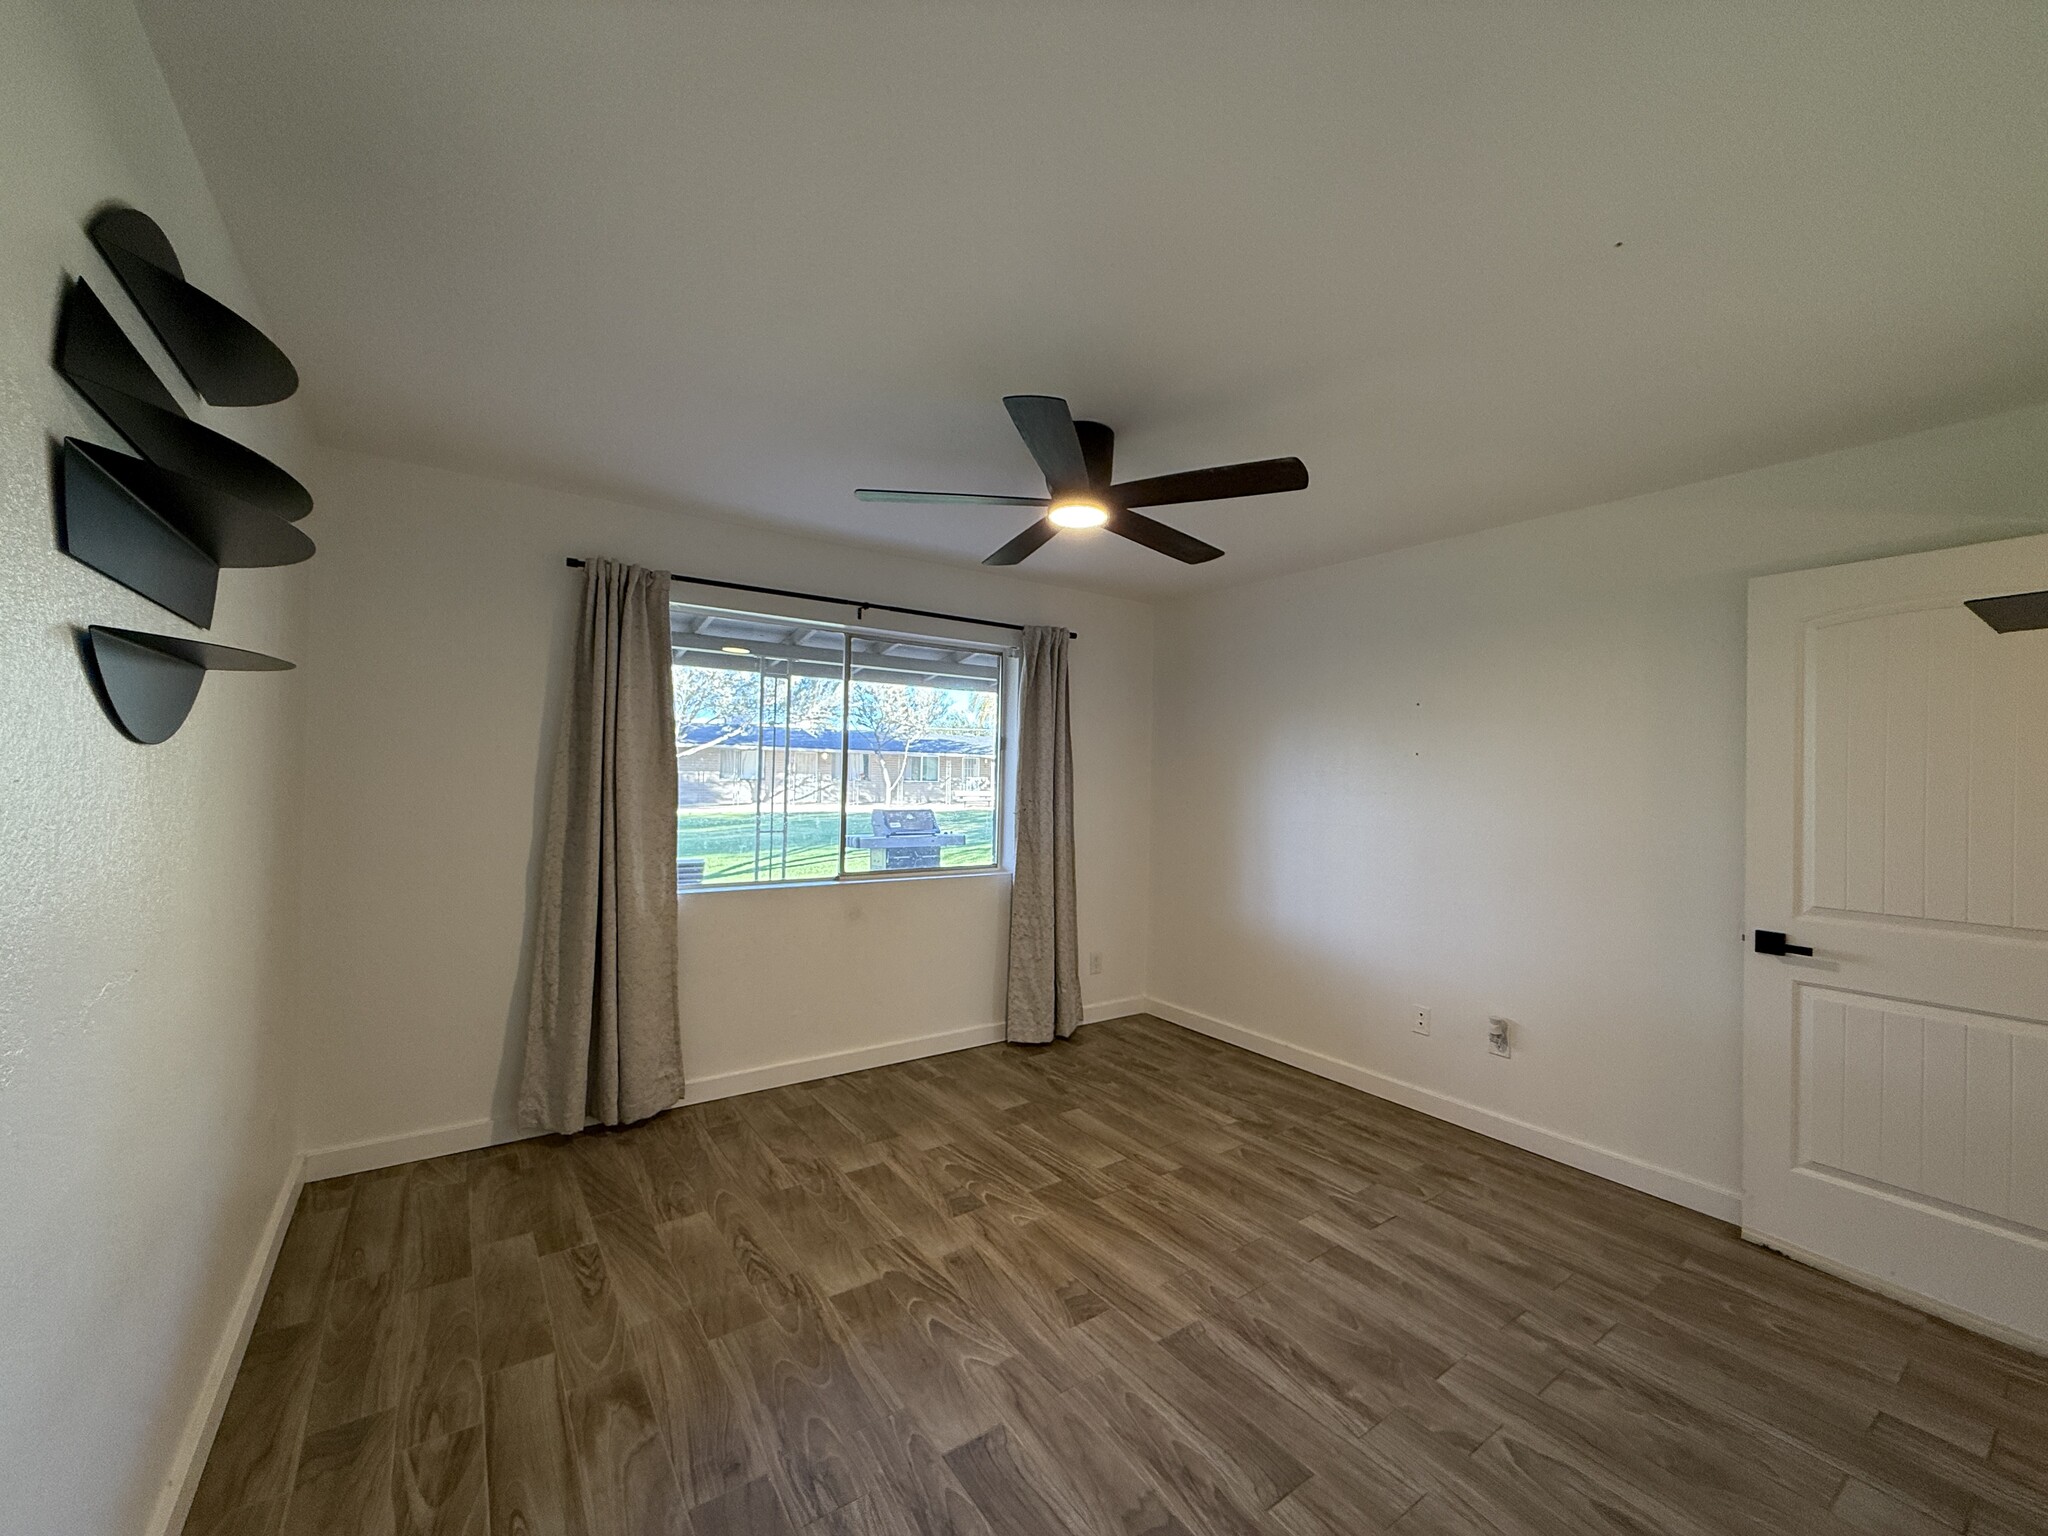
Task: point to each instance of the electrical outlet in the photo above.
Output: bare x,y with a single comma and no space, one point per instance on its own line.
1421,1023
1497,1040
1094,962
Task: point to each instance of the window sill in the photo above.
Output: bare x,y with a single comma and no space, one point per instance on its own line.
851,882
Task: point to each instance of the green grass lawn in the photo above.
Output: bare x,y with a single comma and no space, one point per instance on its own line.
723,837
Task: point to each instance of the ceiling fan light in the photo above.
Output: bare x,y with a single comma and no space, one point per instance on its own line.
1078,514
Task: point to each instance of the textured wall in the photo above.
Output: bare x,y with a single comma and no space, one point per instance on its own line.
145,1108
1504,774
441,616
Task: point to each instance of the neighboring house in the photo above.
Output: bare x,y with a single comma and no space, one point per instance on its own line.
730,764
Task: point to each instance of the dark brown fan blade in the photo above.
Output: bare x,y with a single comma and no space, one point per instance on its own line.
1047,427
1026,543
1260,477
1098,451
951,498
1140,529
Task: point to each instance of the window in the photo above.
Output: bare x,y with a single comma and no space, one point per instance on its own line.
809,752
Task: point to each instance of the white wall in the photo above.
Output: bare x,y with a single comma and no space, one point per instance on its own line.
1504,774
146,1078
441,612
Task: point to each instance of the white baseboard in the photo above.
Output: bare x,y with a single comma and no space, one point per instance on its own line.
189,1461
1899,1293
1665,1183
468,1135
390,1151
1113,1008
805,1069
1619,1167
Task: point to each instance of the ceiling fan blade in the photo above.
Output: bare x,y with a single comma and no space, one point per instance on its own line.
1047,427
1140,529
1098,452
951,498
1260,477
1026,543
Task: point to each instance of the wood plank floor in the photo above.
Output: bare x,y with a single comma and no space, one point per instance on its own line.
1138,1282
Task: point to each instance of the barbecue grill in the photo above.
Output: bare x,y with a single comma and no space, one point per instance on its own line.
906,839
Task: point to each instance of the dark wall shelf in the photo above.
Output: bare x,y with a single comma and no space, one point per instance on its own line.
93,349
103,365
231,531
106,527
166,524
2013,614
228,360
148,682
160,533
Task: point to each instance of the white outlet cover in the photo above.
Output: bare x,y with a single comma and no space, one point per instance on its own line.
1500,1039
1421,1021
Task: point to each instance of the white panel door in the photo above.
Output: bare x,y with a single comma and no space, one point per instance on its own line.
1895,1081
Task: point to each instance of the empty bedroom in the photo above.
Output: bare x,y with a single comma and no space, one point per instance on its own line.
1020,768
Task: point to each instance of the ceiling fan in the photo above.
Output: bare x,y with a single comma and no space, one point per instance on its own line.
1075,457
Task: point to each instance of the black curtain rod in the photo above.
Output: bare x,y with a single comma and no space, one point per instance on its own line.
844,602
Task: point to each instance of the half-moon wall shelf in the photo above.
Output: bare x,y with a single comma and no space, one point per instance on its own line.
227,359
233,533
149,681
2011,615
162,534
92,347
107,528
102,364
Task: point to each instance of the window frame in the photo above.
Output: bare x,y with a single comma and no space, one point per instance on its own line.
1002,812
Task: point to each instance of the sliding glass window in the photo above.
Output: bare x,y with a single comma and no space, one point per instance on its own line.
810,752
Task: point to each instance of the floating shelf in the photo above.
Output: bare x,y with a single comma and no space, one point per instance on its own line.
106,527
228,360
2010,615
163,534
150,681
92,348
165,525
102,364
231,531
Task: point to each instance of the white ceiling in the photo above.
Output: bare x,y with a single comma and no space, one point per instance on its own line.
1474,263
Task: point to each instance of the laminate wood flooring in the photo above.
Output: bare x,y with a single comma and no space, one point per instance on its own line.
1137,1283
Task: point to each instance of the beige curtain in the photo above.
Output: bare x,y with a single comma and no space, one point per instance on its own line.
602,1041
1045,964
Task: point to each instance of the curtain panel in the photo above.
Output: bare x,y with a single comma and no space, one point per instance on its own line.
1044,990
602,1037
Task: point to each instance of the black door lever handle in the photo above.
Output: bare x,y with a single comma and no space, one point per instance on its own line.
1769,942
